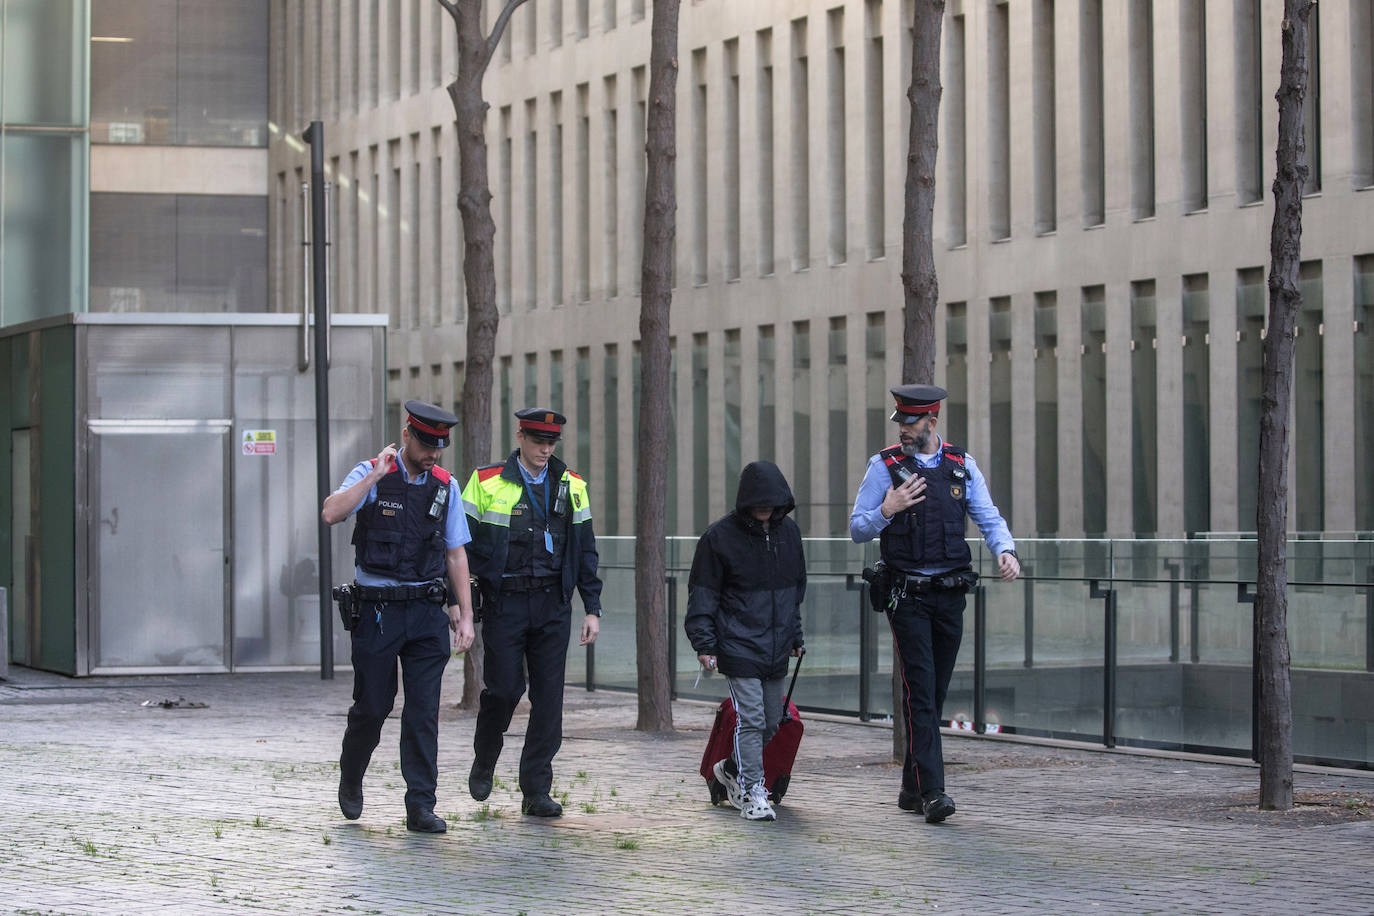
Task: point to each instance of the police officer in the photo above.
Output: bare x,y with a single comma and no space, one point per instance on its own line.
914,497
411,564
532,543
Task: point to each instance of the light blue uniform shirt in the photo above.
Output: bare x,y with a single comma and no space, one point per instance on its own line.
866,522
456,532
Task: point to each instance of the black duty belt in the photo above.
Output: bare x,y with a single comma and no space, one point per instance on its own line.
528,583
914,583
434,590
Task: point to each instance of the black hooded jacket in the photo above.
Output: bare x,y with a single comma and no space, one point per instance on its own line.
745,591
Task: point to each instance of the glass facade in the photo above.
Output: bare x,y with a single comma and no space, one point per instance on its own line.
1144,413
1046,414
1093,384
1197,405
1250,323
801,424
1364,391
837,455
955,418
43,159
179,72
178,253
999,447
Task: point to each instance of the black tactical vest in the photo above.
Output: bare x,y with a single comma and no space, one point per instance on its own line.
526,555
394,535
929,535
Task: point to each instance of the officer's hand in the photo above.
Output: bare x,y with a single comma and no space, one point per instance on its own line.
798,651
591,626
461,625
707,661
385,459
1009,566
899,499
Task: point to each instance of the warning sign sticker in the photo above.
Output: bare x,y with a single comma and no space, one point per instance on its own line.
259,441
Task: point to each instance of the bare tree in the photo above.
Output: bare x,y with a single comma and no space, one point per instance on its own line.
1271,522
479,269
920,286
660,225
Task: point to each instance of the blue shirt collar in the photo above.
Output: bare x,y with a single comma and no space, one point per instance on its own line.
532,479
405,471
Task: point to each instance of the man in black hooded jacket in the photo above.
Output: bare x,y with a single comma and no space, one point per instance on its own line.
744,599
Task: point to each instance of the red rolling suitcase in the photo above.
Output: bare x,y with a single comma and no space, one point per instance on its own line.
778,754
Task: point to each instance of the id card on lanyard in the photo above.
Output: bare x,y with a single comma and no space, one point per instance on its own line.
542,513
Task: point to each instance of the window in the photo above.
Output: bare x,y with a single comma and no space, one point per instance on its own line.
179,72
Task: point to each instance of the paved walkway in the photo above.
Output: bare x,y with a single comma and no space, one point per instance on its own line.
110,807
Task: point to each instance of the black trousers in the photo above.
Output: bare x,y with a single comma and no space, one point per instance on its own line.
416,632
926,629
526,630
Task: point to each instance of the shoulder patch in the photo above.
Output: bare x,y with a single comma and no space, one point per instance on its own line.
891,451
954,453
488,472
575,476
440,474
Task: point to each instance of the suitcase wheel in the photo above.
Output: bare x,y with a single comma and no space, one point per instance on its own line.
779,788
718,793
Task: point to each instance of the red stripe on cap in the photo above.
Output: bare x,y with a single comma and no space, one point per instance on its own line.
426,428
543,427
911,409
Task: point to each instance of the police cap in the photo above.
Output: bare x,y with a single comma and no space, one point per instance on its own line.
429,424
916,401
541,423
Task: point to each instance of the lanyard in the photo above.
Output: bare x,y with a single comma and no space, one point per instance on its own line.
541,513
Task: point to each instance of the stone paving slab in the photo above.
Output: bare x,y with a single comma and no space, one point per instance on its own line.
110,807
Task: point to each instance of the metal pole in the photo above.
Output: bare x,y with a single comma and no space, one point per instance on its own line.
671,582
1108,661
1174,609
1245,596
853,583
1369,620
314,135
1194,614
1029,625
980,658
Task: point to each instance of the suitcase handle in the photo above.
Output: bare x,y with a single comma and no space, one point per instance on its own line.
787,700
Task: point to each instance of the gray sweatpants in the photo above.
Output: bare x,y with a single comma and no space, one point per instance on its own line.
758,705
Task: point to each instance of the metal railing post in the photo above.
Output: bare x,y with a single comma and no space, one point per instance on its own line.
1029,626
980,659
1175,595
1369,620
1195,615
1108,661
671,582
1245,596
868,648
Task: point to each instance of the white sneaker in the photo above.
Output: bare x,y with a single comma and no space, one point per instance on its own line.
732,789
756,805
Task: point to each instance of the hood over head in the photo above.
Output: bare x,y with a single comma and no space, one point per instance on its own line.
762,484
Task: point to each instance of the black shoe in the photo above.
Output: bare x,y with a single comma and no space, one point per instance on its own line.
937,807
541,805
425,822
350,800
908,801
479,781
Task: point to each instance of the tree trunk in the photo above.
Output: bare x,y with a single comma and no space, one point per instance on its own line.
660,205
920,286
479,268
1271,522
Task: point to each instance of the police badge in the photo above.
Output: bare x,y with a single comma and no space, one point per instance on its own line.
956,491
